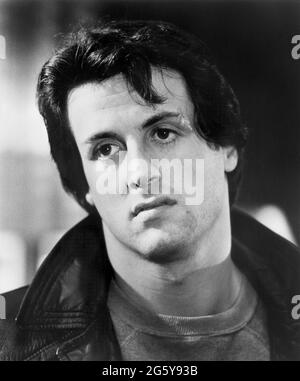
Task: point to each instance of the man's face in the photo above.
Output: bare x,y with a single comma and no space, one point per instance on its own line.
113,126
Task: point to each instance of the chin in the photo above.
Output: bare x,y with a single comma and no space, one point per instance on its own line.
160,247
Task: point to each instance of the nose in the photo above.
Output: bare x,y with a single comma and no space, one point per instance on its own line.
141,181
141,175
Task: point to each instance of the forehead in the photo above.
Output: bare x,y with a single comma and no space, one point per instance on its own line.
111,102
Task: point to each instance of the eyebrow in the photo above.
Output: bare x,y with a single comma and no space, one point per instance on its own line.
147,123
158,117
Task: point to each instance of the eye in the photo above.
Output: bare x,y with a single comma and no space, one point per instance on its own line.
104,151
164,135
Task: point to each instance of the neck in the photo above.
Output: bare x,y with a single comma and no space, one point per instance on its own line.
206,282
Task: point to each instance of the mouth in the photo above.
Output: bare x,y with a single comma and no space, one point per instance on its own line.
160,201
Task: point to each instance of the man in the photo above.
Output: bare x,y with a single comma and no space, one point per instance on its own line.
151,275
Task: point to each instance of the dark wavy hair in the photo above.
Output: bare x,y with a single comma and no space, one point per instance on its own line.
131,48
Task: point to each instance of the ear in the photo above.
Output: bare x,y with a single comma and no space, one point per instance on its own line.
230,158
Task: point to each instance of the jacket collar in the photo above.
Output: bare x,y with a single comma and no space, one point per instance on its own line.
70,288
72,283
272,264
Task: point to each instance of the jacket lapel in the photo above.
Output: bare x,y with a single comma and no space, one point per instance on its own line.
272,265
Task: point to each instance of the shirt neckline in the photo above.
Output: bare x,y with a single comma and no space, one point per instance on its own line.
138,317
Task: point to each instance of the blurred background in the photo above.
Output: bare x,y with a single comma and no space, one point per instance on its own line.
251,41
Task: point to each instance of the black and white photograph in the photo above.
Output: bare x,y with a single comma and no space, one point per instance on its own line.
149,183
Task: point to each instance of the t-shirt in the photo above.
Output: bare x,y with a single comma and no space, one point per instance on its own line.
239,333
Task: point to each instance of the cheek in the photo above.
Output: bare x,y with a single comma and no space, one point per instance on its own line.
103,202
110,205
107,201
213,162
215,179
105,205
89,168
99,178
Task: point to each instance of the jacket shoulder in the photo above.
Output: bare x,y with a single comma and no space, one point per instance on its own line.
258,237
13,300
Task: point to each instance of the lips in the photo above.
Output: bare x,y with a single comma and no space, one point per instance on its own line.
151,205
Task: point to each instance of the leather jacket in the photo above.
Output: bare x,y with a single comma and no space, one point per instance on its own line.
63,314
